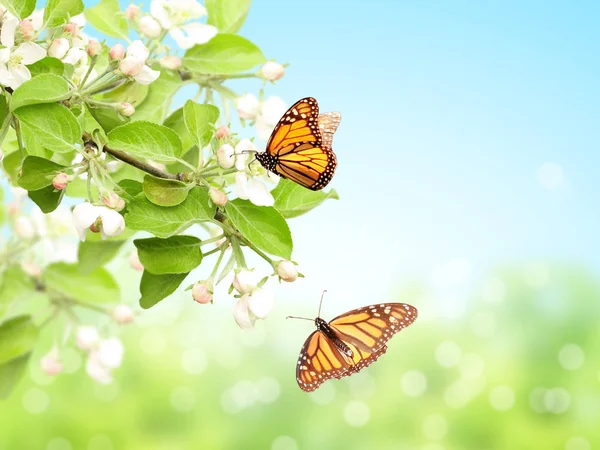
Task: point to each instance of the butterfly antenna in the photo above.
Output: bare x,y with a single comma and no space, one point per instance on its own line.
295,317
321,302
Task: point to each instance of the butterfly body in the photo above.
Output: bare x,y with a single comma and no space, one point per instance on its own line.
350,342
299,148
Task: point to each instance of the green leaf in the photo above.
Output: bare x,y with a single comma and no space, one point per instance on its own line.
47,198
47,65
96,287
33,146
146,140
154,288
164,192
15,286
18,336
293,200
177,254
38,173
107,118
191,156
225,54
107,18
59,12
157,103
20,8
263,226
167,221
45,88
176,123
227,15
200,122
94,254
11,372
54,126
130,92
78,189
132,187
12,165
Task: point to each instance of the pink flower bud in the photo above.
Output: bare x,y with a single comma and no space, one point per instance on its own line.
134,261
113,201
59,48
132,11
150,27
222,132
60,181
272,71
218,197
225,156
71,28
202,293
126,109
287,271
123,314
31,269
171,62
116,52
131,66
26,29
50,363
94,47
87,337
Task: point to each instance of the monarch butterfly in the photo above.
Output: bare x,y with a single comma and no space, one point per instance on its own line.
350,342
300,146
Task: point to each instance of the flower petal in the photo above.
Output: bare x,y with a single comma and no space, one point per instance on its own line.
261,302
84,215
113,223
242,315
31,52
96,370
7,33
146,75
110,353
258,193
241,184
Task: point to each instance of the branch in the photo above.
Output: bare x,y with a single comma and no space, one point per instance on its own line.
128,159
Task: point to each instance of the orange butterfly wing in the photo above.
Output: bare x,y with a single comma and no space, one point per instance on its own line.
297,150
364,330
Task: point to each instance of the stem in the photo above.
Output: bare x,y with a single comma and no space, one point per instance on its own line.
87,74
211,240
120,155
223,249
237,251
210,252
20,139
259,252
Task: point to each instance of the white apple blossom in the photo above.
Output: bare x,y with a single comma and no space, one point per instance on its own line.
253,306
225,156
110,353
24,228
51,363
59,48
193,33
173,13
79,20
13,60
242,315
242,153
134,64
253,190
86,214
246,281
247,106
150,27
269,113
87,337
171,62
96,370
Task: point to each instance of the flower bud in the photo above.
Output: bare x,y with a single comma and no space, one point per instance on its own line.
87,337
58,48
218,197
202,293
287,271
150,27
242,314
50,363
272,71
31,269
24,228
94,47
171,62
60,181
131,66
126,109
225,156
26,29
123,314
222,132
110,352
247,106
261,302
132,11
71,28
134,261
245,281
116,52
